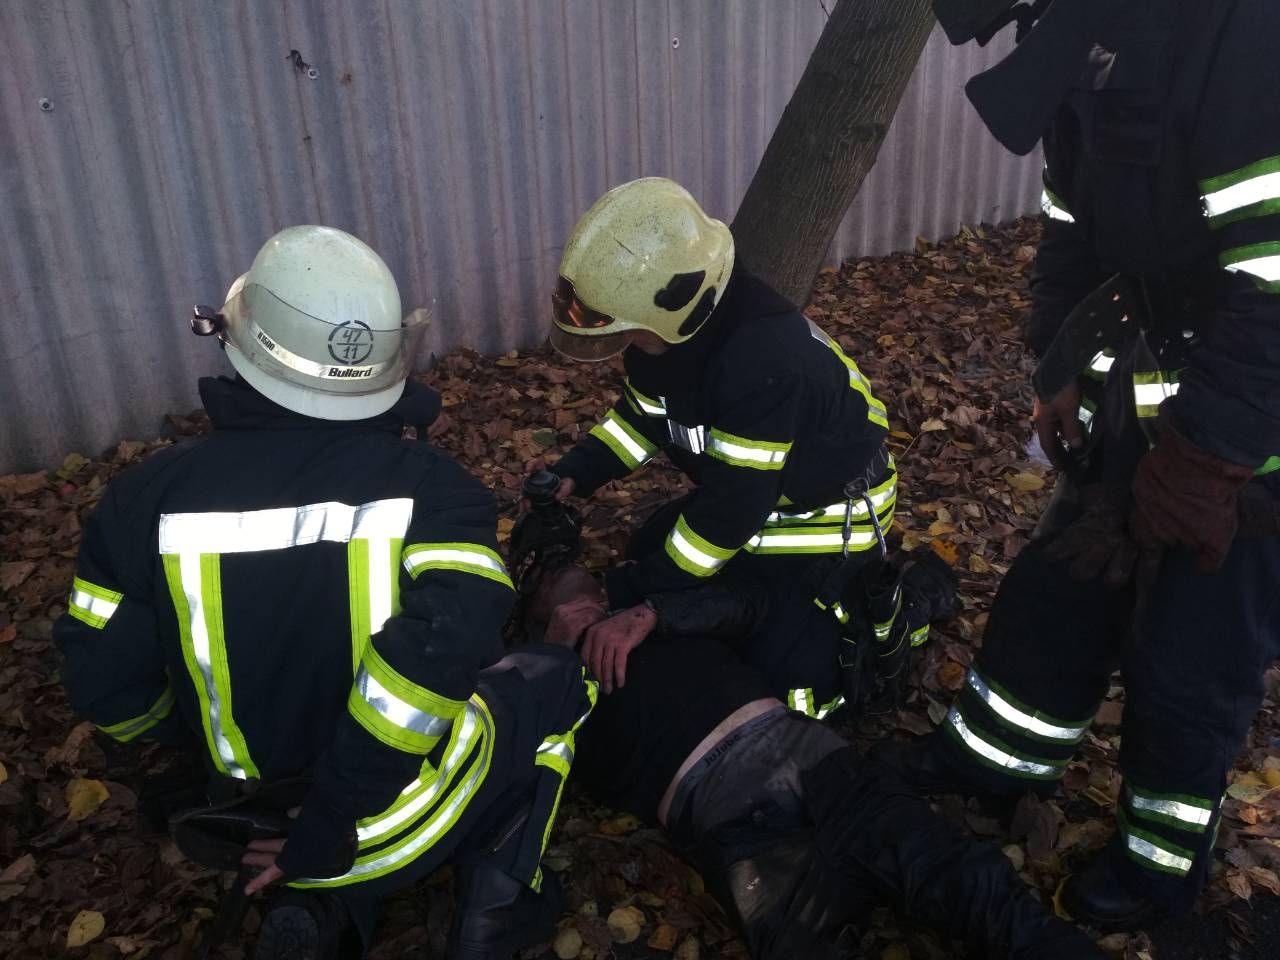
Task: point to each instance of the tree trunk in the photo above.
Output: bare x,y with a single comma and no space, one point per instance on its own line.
828,139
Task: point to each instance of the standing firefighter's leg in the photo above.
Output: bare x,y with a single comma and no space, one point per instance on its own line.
505,901
1050,645
1193,680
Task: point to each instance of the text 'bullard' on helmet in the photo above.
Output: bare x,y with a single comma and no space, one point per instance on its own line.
316,326
645,257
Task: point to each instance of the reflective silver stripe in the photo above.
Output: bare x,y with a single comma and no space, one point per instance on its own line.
95,606
441,821
1246,193
397,711
740,452
830,707
192,587
800,700
646,405
993,753
774,538
283,527
616,430
469,722
703,561
1149,851
1020,718
1187,813
325,371
558,749
1054,211
1101,363
693,439
470,558
1151,394
836,510
1264,268
1085,416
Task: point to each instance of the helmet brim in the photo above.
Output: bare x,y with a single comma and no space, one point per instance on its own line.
577,346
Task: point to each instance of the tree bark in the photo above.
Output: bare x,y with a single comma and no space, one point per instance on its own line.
828,138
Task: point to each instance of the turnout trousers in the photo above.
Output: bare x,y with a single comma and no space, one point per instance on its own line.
1191,651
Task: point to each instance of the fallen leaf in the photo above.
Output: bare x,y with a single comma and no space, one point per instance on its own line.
1239,884
84,797
931,426
567,943
85,928
620,826
1267,879
1024,482
663,938
688,949
896,951
625,924
946,550
4,772
952,675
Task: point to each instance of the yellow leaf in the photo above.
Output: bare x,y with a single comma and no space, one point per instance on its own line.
946,550
567,944
84,797
952,675
620,826
85,928
886,340
664,938
978,565
939,527
1024,482
508,362
910,540
929,426
1271,776
4,774
900,435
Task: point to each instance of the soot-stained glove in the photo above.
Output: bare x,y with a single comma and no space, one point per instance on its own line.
1184,497
322,843
1098,545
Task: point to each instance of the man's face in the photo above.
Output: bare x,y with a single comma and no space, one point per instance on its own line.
563,585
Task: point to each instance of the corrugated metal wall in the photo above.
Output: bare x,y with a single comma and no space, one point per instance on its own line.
147,148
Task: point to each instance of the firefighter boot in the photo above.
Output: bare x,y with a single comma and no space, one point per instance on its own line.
496,915
1099,897
305,925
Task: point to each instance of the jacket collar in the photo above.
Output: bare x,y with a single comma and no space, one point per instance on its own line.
234,405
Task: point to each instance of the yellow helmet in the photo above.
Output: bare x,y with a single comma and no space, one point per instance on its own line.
644,257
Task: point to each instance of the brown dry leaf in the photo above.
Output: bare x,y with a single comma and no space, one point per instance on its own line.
4,772
931,426
1267,879
663,938
688,949
1239,884
84,796
952,675
85,928
625,924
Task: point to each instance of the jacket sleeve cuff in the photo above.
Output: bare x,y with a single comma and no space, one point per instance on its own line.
621,588
321,844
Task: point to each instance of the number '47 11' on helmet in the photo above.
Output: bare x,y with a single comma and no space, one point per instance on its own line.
644,257
315,325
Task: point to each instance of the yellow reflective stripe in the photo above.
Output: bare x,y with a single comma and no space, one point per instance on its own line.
876,412
463,557
1150,389
433,827
1179,810
647,405
397,711
1260,260
920,636
1054,207
627,443
127,730
373,588
195,586
741,452
91,604
801,700
693,553
1251,191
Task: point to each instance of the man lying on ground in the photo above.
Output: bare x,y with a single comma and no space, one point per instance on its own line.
796,835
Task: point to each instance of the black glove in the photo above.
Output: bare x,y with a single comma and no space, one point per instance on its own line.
726,611
321,842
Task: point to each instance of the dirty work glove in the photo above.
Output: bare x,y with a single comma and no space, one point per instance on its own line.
322,842
1097,545
1184,497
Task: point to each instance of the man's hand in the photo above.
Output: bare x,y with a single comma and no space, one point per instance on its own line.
611,641
263,854
570,620
1058,424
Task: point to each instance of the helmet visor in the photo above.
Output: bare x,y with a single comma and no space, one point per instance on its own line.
353,357
580,332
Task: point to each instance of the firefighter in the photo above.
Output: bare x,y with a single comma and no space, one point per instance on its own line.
1159,553
307,594
761,409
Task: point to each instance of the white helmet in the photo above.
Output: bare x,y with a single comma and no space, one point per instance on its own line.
315,325
644,257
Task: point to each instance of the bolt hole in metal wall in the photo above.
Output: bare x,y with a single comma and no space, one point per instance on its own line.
148,148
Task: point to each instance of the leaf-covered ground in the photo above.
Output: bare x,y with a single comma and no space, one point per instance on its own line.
937,331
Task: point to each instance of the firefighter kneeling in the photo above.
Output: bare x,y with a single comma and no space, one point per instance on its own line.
320,602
